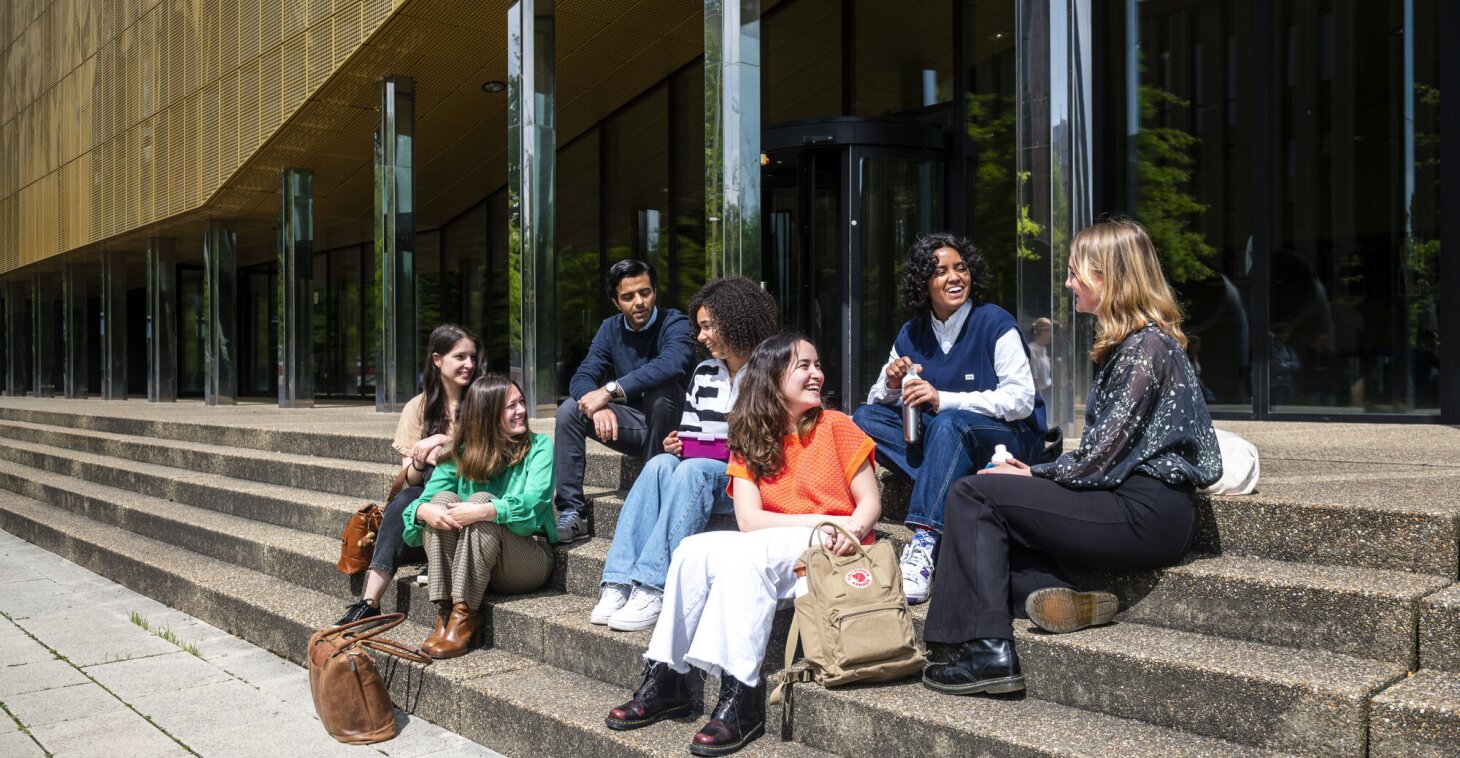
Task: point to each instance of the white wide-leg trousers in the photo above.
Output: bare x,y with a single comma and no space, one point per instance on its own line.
720,599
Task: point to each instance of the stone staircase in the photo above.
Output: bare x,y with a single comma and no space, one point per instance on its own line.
1320,618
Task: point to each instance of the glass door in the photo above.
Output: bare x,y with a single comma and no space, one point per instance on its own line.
842,201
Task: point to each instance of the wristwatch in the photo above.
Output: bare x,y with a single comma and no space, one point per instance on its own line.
614,391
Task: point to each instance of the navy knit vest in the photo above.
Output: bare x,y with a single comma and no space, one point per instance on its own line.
969,366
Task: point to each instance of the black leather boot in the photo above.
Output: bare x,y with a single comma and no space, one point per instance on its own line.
989,666
663,695
738,719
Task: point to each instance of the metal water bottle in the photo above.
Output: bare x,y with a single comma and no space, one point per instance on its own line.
912,431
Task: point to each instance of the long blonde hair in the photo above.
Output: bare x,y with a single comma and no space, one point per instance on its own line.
480,444
1133,290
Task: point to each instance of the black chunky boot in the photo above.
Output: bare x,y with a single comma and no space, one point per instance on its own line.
663,695
989,666
738,719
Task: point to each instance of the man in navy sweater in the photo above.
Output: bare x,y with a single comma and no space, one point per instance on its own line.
627,391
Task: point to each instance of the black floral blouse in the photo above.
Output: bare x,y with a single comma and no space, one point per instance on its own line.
1145,415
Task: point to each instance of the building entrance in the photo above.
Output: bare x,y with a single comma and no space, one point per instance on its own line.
842,200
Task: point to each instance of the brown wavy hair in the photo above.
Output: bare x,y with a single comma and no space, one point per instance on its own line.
758,420
1133,290
480,444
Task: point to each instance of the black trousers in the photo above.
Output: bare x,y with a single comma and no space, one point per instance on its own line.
1007,536
642,427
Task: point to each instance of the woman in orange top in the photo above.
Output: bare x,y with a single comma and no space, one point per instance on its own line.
793,465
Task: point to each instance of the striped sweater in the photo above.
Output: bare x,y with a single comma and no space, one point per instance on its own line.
707,404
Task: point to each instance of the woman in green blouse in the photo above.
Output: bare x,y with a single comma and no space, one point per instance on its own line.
486,516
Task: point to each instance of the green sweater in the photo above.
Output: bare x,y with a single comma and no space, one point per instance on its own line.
523,493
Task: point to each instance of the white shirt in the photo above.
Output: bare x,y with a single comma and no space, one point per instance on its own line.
1011,400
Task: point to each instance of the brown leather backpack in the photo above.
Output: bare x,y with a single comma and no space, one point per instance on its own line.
349,695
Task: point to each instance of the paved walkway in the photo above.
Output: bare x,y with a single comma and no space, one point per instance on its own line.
88,667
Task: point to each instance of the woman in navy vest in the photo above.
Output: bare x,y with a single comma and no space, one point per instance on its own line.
964,364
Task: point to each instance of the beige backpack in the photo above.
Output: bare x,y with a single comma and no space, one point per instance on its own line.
852,619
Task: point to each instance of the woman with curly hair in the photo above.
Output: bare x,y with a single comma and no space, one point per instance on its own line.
794,466
678,490
964,364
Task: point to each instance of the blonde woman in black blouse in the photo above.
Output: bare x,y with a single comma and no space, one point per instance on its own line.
1122,501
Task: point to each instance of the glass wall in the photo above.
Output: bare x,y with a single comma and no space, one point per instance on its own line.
1333,306
1355,259
1178,155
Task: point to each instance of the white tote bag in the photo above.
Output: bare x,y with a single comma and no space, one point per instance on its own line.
1240,467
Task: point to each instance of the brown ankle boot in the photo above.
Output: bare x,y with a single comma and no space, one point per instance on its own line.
443,612
461,629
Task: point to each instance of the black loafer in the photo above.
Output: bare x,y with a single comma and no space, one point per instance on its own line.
988,666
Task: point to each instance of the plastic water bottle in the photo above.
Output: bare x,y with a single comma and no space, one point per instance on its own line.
911,417
1000,455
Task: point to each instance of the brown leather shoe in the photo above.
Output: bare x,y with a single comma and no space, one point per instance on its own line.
443,612
664,694
738,719
1061,609
457,636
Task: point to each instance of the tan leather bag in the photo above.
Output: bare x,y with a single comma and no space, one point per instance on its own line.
349,695
357,543
852,619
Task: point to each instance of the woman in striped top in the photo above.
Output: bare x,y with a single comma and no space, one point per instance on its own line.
675,495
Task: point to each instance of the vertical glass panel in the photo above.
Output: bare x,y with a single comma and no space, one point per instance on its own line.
903,56
990,142
432,308
1355,279
46,328
581,301
901,197
472,284
732,137
220,303
258,331
1178,156
802,61
688,183
17,337
192,332
75,296
326,328
112,322
499,352
635,194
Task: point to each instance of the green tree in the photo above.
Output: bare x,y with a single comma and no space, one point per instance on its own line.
1163,171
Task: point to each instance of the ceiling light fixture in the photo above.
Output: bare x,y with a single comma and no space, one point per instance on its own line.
495,85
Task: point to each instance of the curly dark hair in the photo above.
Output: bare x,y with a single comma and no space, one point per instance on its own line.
921,264
744,314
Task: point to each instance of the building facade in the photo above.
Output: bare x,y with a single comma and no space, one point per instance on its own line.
279,198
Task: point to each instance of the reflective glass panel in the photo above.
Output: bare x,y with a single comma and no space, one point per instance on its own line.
1355,260
903,56
801,61
1177,157
581,302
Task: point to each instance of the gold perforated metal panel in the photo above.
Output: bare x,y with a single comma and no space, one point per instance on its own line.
126,118
117,115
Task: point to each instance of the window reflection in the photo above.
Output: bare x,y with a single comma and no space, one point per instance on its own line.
1356,187
1178,158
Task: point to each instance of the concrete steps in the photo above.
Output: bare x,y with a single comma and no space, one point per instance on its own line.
1253,645
507,699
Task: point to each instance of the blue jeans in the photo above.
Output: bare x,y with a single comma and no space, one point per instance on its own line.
672,499
954,444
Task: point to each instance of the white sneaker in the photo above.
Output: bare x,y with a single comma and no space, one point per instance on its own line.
917,566
613,598
640,612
